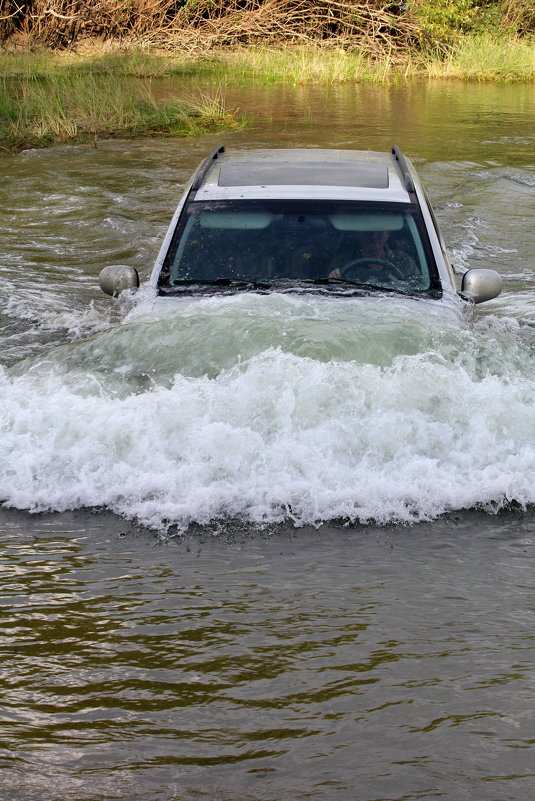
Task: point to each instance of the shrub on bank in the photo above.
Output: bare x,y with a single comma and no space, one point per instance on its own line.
443,22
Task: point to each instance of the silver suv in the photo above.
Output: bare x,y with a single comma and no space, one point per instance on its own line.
326,221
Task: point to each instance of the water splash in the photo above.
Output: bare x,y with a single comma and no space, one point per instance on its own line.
271,408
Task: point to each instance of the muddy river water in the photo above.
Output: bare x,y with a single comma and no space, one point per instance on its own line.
268,548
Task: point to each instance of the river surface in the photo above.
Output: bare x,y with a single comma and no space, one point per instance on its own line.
267,547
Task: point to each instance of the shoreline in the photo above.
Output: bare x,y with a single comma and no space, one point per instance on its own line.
50,97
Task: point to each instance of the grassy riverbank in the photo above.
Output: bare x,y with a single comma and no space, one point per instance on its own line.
48,102
481,58
49,97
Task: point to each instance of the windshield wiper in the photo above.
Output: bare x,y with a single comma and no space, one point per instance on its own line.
288,284
341,281
233,283
354,284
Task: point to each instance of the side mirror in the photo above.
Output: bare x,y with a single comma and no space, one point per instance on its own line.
116,278
481,285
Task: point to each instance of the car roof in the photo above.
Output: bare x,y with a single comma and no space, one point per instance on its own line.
302,174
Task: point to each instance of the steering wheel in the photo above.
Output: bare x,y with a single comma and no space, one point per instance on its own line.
390,269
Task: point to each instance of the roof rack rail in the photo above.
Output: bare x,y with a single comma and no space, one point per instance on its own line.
205,166
405,172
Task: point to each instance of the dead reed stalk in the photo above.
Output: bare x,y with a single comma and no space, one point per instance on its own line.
376,26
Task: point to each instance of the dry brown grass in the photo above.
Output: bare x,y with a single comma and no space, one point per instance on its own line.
197,25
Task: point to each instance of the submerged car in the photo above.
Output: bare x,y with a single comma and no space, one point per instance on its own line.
305,220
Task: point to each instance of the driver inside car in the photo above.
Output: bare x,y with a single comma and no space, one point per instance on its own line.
373,260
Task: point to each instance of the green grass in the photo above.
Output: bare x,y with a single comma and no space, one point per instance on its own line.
299,65
482,57
75,106
487,58
136,62
475,57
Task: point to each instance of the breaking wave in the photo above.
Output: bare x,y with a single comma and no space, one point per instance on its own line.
275,408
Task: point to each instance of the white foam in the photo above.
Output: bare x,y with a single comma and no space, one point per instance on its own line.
320,413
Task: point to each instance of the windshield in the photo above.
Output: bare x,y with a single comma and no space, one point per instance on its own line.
292,243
